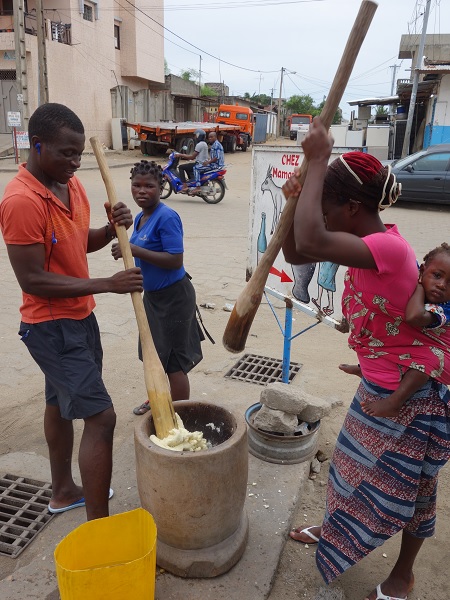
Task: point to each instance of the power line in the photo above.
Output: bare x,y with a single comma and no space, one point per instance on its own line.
196,47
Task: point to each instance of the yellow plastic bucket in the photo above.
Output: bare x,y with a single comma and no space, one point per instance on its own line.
109,559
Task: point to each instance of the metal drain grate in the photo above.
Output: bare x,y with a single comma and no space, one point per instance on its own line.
23,512
261,369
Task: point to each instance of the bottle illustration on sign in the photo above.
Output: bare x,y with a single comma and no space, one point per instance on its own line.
261,245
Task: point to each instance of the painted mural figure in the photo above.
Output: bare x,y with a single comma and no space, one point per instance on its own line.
326,280
277,197
302,278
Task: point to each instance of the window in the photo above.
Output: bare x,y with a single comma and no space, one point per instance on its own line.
88,12
117,36
432,162
301,120
6,7
224,113
241,116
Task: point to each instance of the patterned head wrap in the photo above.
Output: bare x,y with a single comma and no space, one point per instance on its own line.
360,176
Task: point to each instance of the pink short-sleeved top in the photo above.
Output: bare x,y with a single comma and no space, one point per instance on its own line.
374,303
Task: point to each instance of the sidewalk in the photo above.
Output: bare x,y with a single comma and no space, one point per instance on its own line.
114,159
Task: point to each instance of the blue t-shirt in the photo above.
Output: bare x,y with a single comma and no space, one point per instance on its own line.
163,232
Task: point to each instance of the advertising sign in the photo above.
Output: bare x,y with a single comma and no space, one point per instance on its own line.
22,140
315,288
14,119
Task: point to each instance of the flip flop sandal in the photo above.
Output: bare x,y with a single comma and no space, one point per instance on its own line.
142,409
381,596
77,504
307,531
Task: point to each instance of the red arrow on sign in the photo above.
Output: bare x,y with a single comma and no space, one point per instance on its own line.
281,274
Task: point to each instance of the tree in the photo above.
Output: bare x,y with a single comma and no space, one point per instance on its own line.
166,68
301,104
382,110
190,75
337,115
207,92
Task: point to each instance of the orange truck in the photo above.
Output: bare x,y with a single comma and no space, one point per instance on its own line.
242,116
234,128
298,122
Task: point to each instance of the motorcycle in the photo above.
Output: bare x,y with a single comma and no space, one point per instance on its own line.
211,190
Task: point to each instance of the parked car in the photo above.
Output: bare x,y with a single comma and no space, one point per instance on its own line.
425,175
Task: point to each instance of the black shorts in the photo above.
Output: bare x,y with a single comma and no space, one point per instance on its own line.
70,355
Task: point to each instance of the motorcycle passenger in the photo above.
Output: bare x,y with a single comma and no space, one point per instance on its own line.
200,155
216,160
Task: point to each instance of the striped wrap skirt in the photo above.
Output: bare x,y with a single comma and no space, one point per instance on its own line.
383,475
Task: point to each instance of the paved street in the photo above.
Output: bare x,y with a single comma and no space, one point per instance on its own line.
215,256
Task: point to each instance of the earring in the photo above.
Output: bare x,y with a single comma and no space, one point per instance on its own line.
38,148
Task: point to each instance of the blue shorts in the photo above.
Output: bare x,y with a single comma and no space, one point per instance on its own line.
69,353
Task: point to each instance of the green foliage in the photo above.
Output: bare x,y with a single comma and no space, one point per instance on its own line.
207,92
337,115
190,75
262,99
166,68
301,104
382,110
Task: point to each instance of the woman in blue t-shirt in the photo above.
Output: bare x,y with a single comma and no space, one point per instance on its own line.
169,296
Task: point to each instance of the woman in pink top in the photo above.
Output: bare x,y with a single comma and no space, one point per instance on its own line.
383,475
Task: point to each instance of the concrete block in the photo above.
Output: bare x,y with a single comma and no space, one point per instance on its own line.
317,409
282,396
275,420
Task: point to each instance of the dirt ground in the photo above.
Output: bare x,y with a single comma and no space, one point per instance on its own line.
216,248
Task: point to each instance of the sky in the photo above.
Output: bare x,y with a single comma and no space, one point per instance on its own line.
305,37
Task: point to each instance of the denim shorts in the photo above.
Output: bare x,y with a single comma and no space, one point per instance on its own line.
70,355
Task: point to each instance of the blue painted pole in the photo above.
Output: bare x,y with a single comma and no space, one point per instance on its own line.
287,343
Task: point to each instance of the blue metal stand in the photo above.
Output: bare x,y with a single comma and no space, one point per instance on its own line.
287,334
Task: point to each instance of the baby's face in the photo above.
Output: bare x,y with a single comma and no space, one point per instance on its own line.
436,279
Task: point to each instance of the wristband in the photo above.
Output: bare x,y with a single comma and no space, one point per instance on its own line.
109,235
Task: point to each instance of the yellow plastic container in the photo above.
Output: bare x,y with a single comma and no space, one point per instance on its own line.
109,559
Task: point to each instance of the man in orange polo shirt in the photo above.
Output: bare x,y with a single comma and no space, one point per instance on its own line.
44,217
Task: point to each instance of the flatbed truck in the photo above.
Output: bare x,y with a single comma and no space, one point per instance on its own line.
157,137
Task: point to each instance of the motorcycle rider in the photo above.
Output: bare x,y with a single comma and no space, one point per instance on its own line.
199,156
216,160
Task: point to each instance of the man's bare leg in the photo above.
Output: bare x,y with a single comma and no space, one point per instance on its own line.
95,460
401,579
59,437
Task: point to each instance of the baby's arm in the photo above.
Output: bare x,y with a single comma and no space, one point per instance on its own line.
415,313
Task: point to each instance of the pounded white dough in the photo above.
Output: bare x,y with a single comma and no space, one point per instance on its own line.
180,439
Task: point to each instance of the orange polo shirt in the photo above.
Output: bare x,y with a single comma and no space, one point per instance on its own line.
31,214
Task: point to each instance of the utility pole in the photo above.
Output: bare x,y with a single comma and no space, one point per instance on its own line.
412,103
21,67
279,104
394,73
200,89
42,54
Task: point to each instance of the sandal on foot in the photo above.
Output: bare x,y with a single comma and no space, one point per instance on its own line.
381,596
142,409
77,504
306,531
